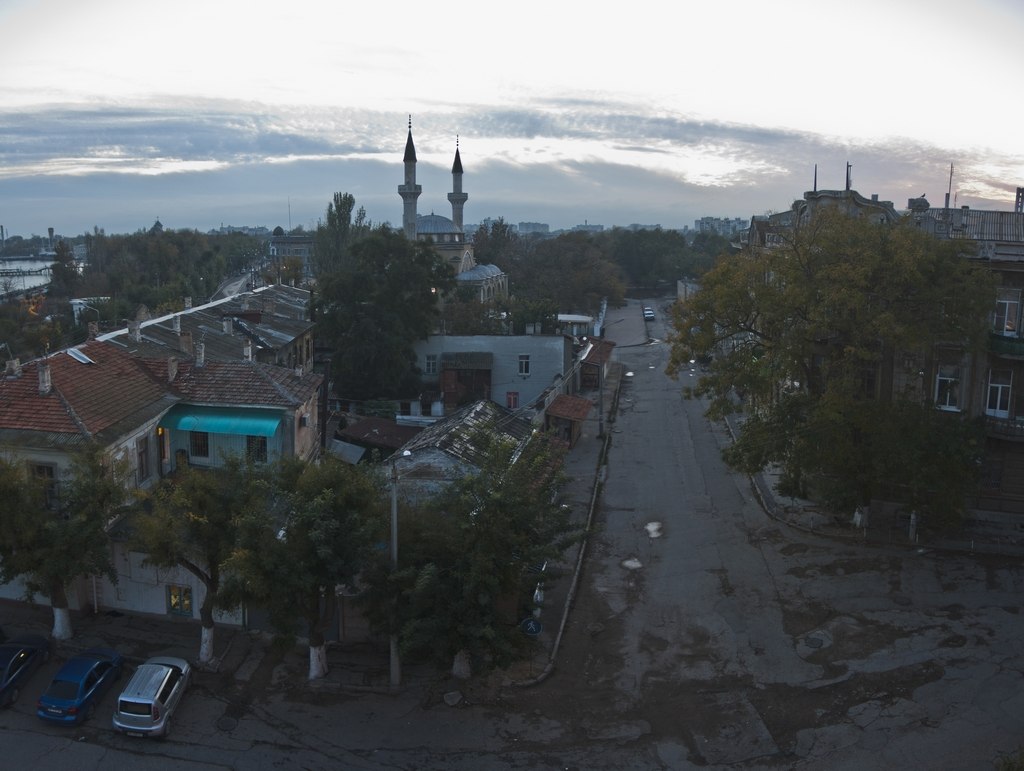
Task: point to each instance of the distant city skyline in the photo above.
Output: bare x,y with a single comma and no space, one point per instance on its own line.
114,114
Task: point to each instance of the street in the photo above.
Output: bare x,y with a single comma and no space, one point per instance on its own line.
704,634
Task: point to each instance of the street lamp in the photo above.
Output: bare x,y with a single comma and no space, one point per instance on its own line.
396,663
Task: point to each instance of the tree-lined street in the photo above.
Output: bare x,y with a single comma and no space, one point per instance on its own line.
704,635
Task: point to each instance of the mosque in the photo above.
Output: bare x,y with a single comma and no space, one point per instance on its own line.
448,235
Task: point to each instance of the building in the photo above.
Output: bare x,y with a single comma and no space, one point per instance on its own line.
518,371
447,235
992,386
155,415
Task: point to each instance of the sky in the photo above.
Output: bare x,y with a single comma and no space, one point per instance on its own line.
202,113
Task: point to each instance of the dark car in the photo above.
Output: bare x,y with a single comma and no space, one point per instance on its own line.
79,685
19,658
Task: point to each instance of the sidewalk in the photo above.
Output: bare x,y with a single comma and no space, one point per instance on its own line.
883,526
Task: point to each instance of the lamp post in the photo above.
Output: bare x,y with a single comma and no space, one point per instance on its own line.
396,662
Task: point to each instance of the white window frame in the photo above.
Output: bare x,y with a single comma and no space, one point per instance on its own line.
430,364
1000,385
1006,318
512,400
524,365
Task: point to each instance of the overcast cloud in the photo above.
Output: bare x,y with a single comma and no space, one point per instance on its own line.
608,121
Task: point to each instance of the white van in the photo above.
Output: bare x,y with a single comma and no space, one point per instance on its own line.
146,704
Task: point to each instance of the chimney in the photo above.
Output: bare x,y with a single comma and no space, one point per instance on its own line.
176,323
185,343
13,368
188,303
172,369
94,329
200,354
135,331
227,325
44,378
247,350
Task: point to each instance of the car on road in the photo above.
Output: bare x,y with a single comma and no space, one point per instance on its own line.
146,704
19,658
79,685
648,313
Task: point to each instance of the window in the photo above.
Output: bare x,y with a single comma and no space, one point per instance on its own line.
142,456
524,365
46,474
512,400
199,444
430,366
998,404
256,449
1007,312
179,600
947,387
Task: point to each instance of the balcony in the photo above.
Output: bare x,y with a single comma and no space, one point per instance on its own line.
1005,428
1001,345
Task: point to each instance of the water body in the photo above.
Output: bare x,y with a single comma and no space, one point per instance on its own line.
23,274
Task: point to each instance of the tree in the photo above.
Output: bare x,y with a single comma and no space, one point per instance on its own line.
373,308
293,556
63,274
56,531
192,521
464,569
571,270
822,339
337,233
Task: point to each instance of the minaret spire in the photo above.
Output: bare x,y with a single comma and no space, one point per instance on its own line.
457,197
409,191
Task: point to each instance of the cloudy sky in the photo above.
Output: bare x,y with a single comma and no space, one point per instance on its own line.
114,113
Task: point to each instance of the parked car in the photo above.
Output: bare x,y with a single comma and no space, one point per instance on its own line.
146,704
79,685
19,658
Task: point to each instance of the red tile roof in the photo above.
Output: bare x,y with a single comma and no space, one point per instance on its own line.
96,391
570,407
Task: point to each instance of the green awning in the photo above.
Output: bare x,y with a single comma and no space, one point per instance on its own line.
222,420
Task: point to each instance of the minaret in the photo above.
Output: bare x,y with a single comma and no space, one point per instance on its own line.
457,197
410,191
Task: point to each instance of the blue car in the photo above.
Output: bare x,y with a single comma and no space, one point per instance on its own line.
79,685
19,658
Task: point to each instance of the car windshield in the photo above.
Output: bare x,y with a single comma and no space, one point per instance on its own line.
62,689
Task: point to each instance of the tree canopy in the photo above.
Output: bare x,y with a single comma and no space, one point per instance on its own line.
56,530
822,340
465,559
291,556
374,307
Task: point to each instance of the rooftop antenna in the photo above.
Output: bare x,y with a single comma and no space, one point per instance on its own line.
289,214
815,178
849,179
950,190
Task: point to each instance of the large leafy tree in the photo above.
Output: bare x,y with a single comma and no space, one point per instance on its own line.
465,559
821,338
572,270
375,306
293,555
192,521
56,531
